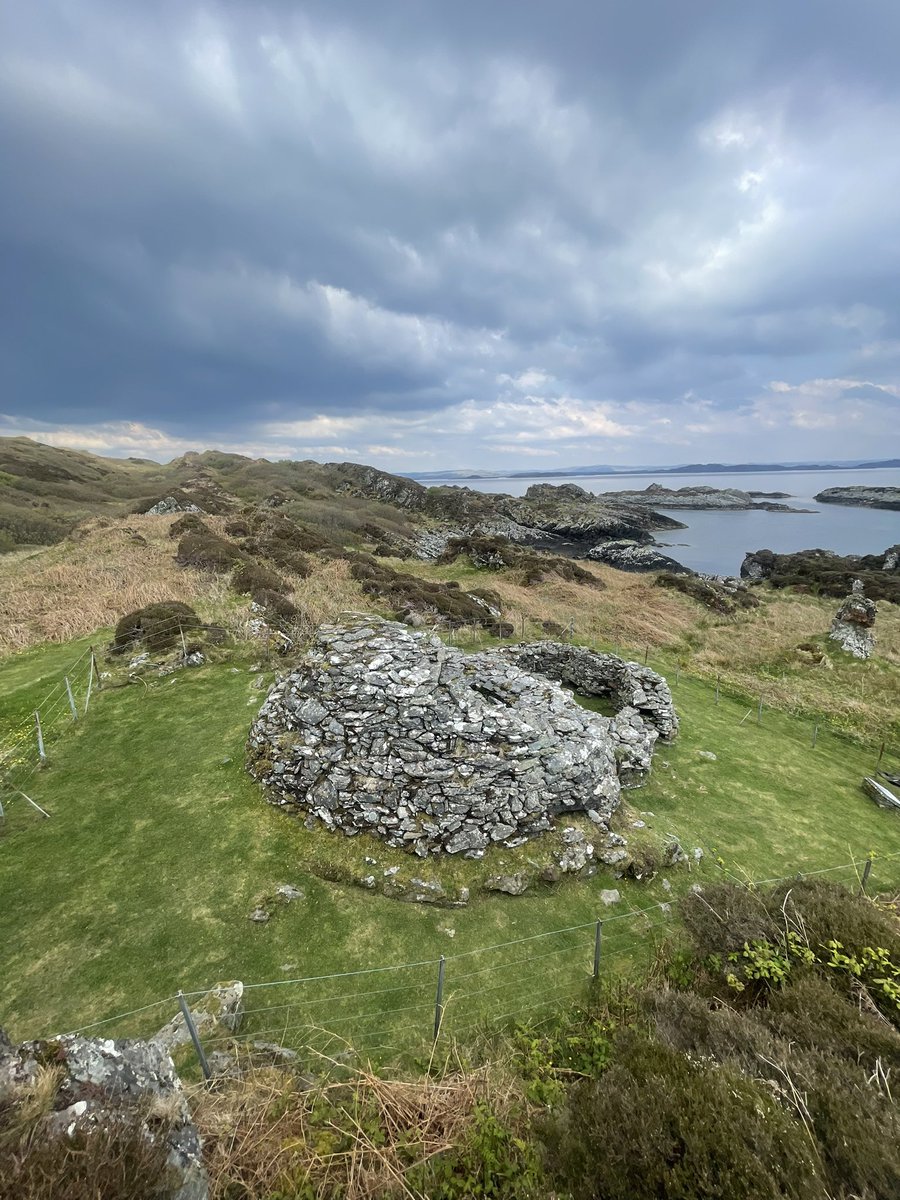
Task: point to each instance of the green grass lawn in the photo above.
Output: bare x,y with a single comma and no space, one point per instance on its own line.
158,845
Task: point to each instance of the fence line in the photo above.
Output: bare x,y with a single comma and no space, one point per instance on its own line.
578,965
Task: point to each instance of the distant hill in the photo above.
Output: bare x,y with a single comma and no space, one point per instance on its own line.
682,469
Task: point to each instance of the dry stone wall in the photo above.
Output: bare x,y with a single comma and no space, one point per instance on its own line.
385,729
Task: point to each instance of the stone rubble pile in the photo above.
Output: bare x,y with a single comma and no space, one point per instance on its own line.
385,729
853,622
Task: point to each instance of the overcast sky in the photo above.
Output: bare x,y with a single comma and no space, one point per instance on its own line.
424,234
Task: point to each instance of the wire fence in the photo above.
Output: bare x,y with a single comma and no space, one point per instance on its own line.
402,1009
396,1008
28,742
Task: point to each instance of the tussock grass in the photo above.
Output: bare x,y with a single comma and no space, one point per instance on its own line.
365,1137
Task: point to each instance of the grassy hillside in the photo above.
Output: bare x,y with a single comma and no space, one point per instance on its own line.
159,845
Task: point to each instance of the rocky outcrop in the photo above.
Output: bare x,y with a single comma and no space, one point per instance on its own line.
103,1082
853,621
700,498
632,556
220,1011
389,731
170,504
862,497
827,573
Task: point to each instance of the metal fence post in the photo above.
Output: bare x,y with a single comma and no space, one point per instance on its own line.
598,942
40,736
71,699
717,689
96,670
759,712
87,699
815,735
867,870
195,1037
439,999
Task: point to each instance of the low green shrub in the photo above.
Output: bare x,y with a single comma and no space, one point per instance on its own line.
275,603
188,523
658,1125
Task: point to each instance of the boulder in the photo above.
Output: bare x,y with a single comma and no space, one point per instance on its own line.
385,729
853,621
101,1083
220,1010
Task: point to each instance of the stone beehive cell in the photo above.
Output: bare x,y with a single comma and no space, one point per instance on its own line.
386,729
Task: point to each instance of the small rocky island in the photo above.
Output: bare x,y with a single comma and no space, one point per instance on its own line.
862,497
387,730
702,498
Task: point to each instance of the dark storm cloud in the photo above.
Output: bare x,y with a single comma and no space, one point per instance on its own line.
405,231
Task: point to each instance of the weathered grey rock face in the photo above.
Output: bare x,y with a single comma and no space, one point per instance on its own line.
387,730
853,621
627,555
169,504
101,1080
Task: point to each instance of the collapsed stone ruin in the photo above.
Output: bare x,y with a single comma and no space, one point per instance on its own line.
853,622
387,730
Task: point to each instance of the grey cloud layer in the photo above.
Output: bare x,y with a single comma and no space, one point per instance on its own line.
497,233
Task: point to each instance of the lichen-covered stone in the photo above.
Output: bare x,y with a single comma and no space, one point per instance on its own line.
102,1080
853,621
386,730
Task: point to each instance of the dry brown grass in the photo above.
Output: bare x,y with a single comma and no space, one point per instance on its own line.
112,567
630,611
264,1134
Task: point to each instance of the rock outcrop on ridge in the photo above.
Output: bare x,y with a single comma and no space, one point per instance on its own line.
386,730
853,622
827,573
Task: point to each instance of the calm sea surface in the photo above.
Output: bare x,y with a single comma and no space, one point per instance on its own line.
716,542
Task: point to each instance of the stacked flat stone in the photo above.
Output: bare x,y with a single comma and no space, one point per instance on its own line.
385,729
853,622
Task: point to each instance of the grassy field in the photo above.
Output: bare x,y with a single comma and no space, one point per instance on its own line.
159,845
